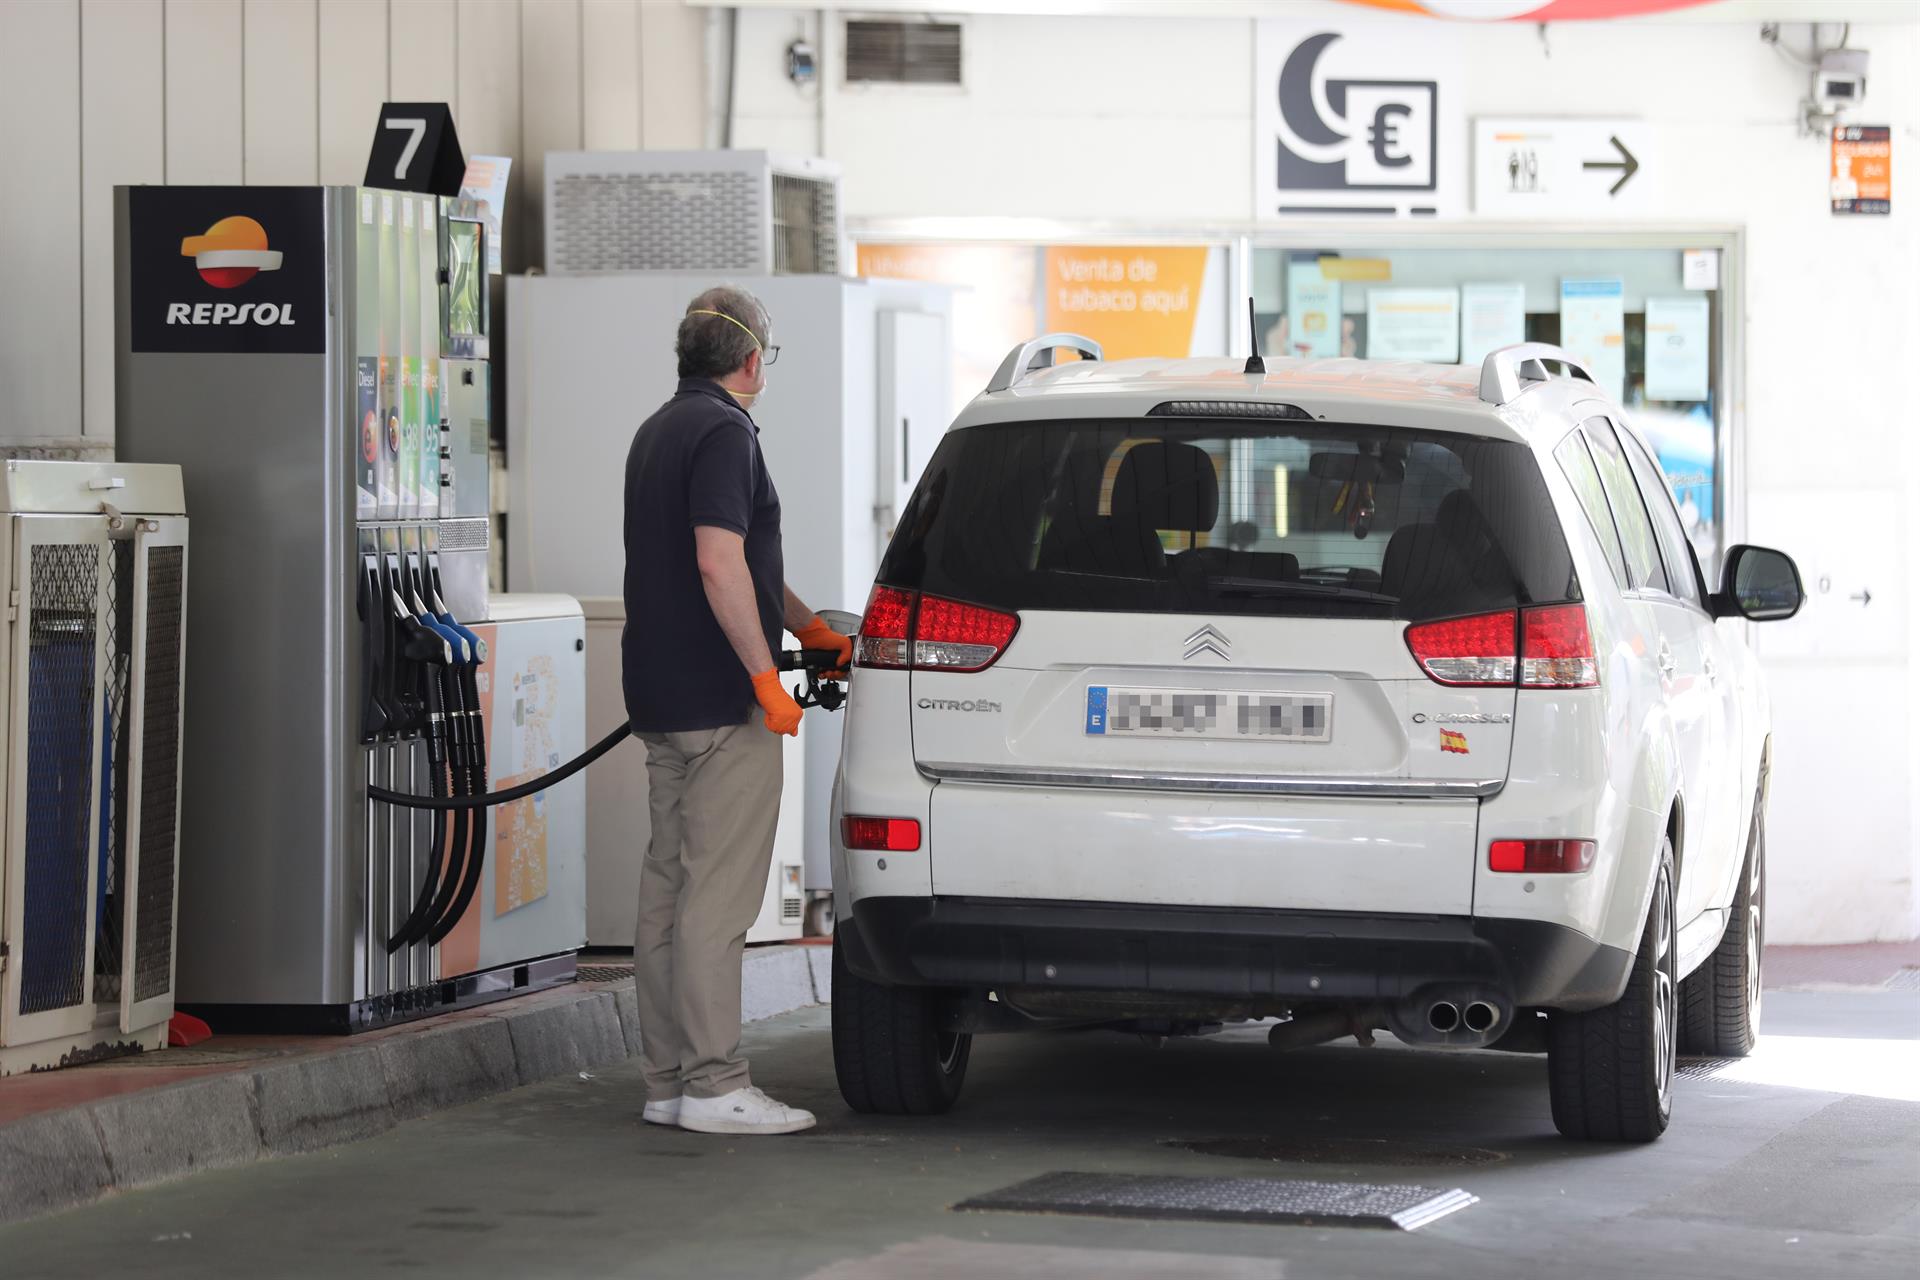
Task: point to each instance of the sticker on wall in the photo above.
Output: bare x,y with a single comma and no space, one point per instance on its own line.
1862,169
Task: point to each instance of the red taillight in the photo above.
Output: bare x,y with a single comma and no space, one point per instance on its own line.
883,835
931,634
950,636
1540,857
1556,649
1466,651
883,631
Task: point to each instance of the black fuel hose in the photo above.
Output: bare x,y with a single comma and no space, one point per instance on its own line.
440,765
476,786
461,775
510,794
813,661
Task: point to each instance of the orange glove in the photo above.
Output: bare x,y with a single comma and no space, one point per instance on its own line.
818,635
783,713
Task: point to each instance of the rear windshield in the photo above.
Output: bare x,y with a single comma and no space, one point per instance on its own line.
1286,518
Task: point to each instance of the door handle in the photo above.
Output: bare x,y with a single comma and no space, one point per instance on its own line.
1664,659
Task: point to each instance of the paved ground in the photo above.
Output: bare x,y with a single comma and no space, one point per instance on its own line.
1803,1161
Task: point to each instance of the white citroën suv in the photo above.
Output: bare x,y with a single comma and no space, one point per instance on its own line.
1348,695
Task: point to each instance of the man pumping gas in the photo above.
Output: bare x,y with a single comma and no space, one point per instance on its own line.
706,603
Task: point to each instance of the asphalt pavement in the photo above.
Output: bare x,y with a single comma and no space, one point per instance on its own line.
1801,1161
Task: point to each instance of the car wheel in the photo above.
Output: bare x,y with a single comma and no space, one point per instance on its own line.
1720,1001
890,1053
1611,1070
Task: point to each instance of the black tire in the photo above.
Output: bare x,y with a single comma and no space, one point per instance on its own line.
1720,1001
889,1053
1610,1070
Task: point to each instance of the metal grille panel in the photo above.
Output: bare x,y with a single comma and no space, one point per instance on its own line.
159,773
892,52
805,222
677,221
604,973
107,940
64,581
1270,1200
469,533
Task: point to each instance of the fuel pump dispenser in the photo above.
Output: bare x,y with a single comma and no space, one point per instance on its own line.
317,359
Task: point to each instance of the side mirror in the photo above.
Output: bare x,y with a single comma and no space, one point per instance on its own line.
1760,585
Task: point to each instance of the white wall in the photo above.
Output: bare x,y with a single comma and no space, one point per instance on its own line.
1150,121
95,93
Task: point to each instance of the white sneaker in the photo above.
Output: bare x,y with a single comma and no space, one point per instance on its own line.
662,1111
742,1111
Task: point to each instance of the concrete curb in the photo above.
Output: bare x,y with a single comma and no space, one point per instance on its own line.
61,1159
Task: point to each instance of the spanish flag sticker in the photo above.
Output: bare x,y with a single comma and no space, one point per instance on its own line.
1454,742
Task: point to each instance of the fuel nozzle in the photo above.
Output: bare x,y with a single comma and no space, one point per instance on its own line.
821,690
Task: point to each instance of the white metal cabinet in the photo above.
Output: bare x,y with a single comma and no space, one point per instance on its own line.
94,576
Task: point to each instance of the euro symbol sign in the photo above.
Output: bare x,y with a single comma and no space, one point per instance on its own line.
1385,136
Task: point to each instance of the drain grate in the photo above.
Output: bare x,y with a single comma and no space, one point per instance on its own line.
1268,1200
1345,1151
1701,1068
604,973
1908,979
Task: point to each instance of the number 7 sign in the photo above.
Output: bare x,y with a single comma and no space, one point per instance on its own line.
415,148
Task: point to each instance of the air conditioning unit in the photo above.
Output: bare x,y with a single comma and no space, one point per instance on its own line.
93,567
726,212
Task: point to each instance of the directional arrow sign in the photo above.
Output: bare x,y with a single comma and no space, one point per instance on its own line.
1626,164
1570,167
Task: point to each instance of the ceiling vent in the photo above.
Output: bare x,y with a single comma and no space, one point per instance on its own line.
903,52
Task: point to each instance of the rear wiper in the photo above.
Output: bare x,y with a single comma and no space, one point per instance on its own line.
1277,587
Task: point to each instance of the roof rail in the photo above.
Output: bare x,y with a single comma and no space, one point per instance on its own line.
1038,354
1505,373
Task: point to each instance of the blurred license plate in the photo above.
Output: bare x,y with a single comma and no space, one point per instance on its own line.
1208,713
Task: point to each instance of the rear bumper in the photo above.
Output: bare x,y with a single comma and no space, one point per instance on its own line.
1223,952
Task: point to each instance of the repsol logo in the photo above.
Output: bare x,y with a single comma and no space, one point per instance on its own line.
209,313
948,704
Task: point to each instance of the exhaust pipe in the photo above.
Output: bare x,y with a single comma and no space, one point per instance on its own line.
1459,1015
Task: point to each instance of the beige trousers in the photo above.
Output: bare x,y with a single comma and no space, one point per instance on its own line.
714,795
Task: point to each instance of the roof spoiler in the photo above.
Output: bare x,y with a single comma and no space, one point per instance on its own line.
1038,354
1508,372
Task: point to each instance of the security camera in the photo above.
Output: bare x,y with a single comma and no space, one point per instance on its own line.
1840,80
802,65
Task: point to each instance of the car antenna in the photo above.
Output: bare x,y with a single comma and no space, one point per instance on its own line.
1254,363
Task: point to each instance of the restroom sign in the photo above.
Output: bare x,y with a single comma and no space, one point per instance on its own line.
1355,120
1563,167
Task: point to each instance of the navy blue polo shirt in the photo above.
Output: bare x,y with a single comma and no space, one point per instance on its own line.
696,461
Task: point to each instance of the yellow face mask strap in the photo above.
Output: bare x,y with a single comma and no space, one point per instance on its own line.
730,320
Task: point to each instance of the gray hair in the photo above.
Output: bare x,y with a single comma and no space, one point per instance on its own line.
715,345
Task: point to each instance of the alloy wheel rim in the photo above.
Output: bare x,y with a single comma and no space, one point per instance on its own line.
1664,1003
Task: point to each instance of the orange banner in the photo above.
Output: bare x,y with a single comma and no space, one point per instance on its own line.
1135,300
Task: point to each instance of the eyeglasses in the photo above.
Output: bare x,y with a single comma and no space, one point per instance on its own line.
768,354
